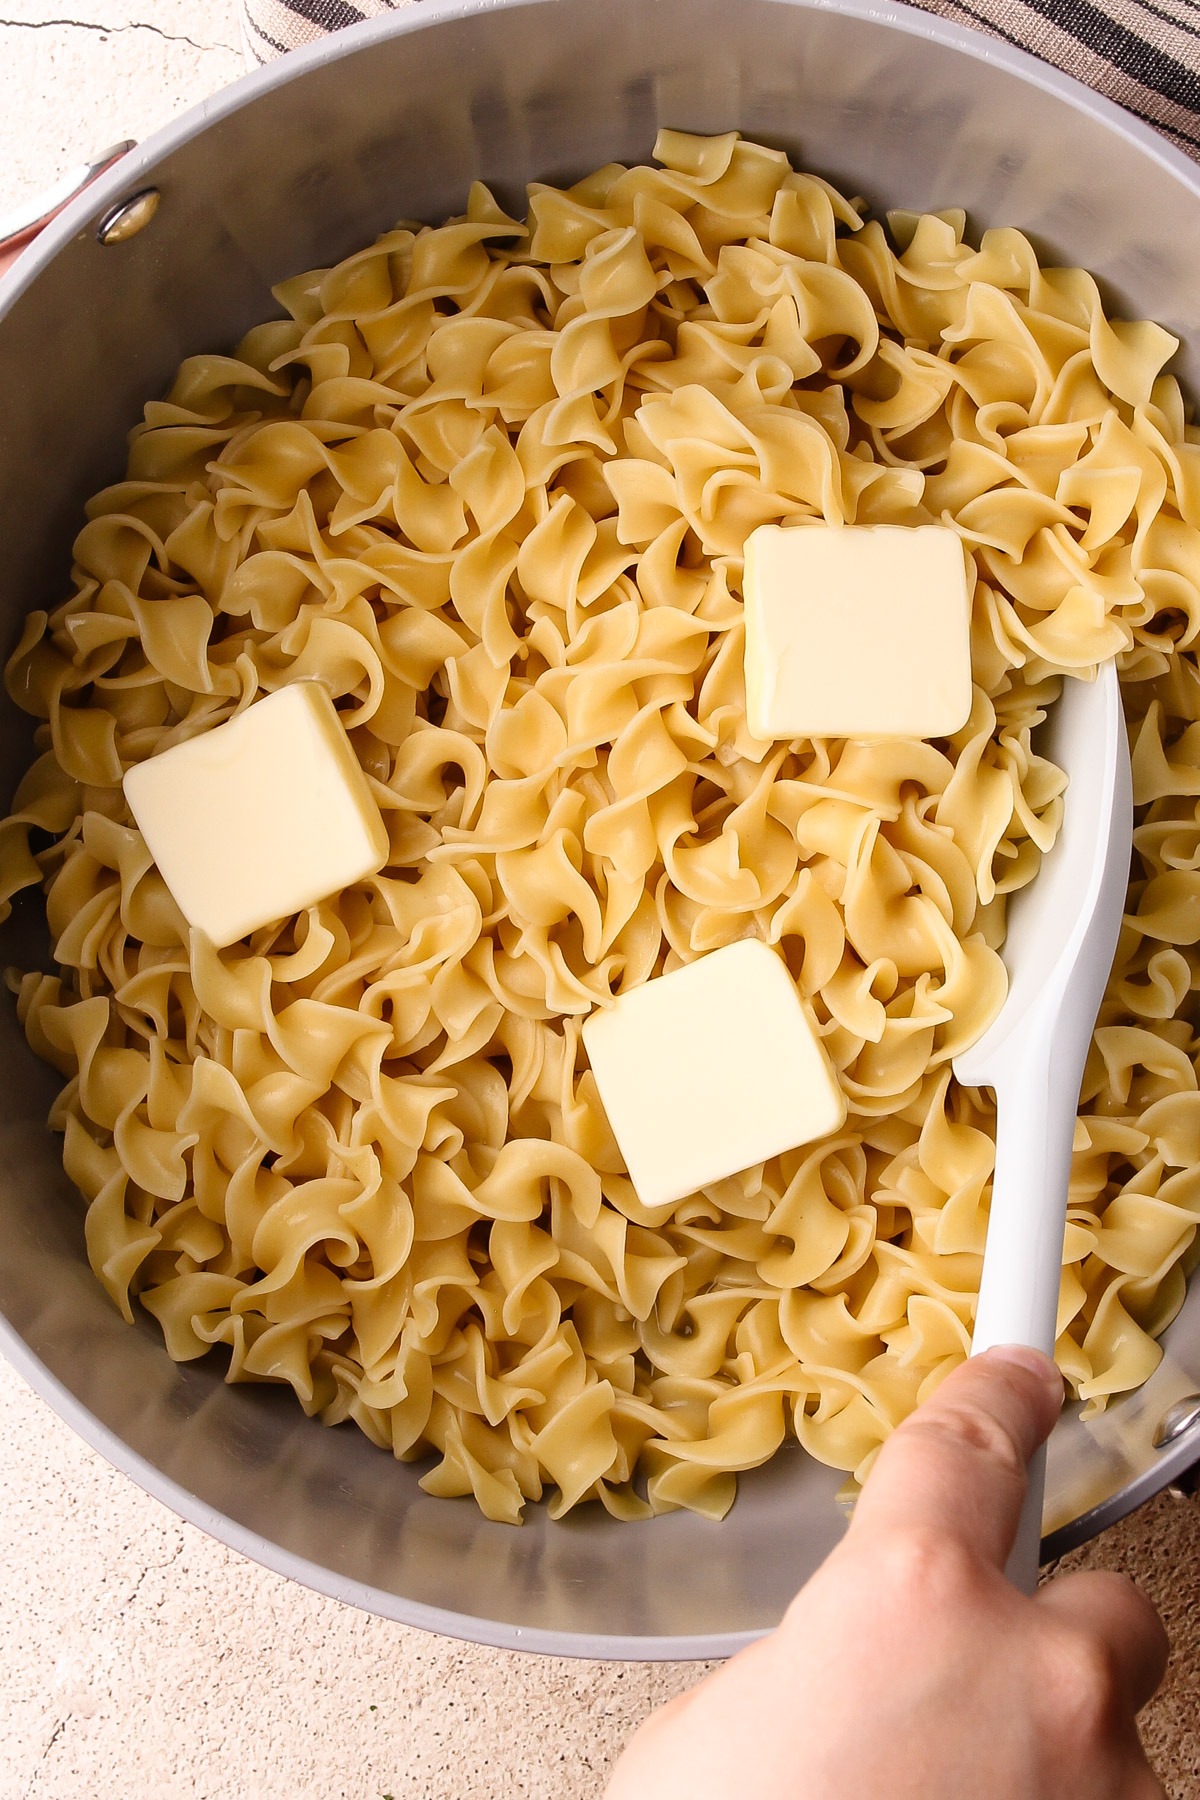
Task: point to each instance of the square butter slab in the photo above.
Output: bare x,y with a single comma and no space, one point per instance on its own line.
261,816
710,1069
856,631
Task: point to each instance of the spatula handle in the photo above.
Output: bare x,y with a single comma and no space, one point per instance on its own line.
1026,1554
1036,1103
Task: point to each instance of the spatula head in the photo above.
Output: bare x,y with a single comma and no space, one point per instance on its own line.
1062,928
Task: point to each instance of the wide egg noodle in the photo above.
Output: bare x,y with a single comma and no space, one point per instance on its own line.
491,483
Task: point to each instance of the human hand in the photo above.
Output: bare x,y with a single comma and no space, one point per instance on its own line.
908,1666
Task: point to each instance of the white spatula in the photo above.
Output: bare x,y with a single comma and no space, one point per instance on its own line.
1062,932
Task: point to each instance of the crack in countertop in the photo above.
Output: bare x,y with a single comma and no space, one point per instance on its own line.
168,37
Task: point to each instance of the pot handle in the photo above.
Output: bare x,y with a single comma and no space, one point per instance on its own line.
19,227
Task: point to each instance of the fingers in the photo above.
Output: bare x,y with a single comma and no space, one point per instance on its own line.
957,1466
1119,1620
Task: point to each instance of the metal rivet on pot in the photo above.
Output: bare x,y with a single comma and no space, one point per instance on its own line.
124,220
1176,1420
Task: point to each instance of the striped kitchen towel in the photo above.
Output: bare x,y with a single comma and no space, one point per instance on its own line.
1144,54
270,27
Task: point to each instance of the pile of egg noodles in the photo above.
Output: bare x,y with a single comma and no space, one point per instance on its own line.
491,483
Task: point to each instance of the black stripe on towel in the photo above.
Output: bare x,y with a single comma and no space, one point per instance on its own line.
1124,49
330,15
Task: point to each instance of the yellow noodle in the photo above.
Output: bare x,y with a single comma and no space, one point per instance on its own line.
491,484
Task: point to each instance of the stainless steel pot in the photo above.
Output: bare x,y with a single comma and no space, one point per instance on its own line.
294,167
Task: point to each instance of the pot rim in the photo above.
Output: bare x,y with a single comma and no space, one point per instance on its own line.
129,174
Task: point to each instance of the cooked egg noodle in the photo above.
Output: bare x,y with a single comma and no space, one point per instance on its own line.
490,483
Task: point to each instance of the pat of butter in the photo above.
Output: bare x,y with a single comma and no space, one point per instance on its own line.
260,817
710,1069
856,631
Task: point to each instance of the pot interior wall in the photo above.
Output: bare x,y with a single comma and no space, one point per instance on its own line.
292,169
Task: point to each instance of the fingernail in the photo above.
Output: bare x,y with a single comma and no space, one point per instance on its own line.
1024,1356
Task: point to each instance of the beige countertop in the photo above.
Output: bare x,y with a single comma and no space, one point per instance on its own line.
142,1659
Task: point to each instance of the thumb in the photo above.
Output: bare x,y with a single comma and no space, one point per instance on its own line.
957,1466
